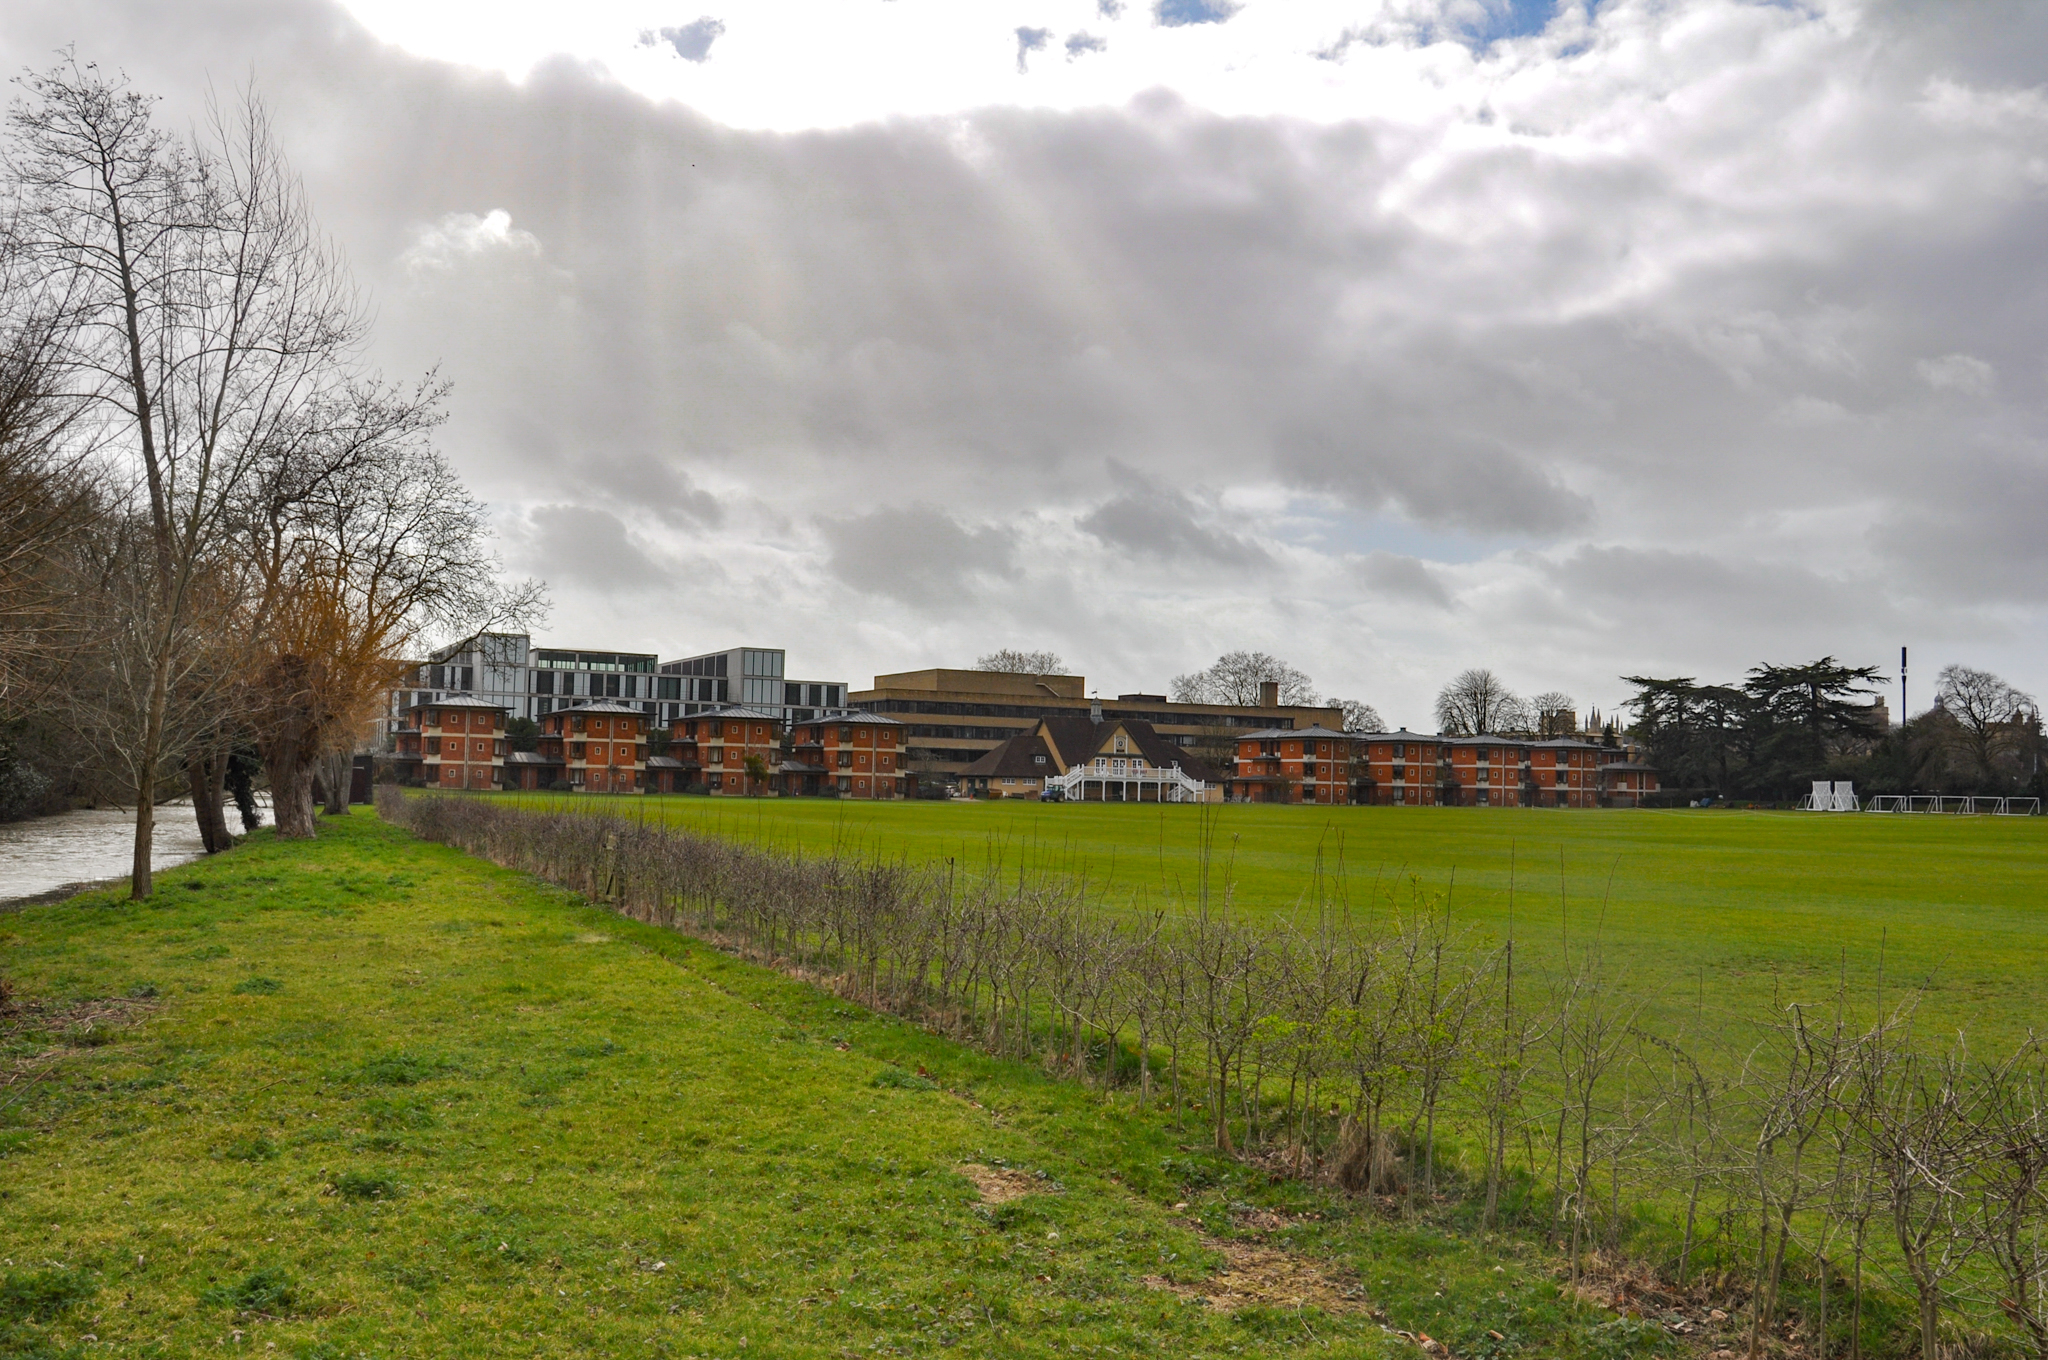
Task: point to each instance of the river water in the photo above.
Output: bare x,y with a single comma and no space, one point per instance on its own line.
46,853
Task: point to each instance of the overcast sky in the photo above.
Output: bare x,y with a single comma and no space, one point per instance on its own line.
1390,336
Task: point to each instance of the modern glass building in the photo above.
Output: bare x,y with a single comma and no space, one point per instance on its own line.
750,676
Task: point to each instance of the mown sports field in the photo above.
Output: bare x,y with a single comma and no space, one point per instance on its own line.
1727,907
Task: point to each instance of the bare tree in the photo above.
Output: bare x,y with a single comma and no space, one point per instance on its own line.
1360,716
1990,716
50,489
2012,1189
1802,1067
364,543
1477,703
1020,662
1927,1134
1557,714
1236,678
210,315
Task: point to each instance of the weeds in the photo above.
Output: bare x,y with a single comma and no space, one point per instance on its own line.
268,1291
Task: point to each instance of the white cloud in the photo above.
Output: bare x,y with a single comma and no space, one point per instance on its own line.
1963,373
460,237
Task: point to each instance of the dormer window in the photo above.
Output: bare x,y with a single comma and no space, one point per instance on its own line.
1038,760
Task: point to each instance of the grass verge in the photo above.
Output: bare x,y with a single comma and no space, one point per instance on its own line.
370,1097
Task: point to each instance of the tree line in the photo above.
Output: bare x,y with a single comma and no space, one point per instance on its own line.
1784,726
220,529
1814,1160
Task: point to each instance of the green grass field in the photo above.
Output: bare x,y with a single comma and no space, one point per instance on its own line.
370,1097
1724,906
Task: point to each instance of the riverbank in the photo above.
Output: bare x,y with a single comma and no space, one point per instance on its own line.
47,858
370,1095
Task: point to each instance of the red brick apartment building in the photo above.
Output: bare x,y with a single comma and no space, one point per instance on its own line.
456,742
1412,769
715,747
599,748
1296,765
860,755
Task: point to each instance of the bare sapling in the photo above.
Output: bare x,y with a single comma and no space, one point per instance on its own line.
2012,1189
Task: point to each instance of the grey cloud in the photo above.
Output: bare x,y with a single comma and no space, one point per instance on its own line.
578,546
691,41
918,555
1447,478
1554,356
1179,13
1969,528
1079,44
1030,40
1110,9
1401,577
1774,607
1160,522
1957,373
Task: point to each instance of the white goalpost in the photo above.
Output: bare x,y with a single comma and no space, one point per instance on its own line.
1838,796
1955,805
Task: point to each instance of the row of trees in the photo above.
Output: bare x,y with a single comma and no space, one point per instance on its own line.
1241,677
1785,725
218,528
1807,1147
1479,703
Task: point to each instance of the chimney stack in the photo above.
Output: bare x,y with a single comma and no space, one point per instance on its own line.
1269,694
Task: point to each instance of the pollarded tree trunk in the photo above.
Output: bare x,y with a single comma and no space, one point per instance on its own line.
206,771
335,774
291,789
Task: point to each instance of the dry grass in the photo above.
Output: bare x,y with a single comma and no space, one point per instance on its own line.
1001,1184
1255,1274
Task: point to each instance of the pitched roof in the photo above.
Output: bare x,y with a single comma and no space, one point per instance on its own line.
1067,741
601,706
529,758
665,763
1318,732
460,701
851,715
737,711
